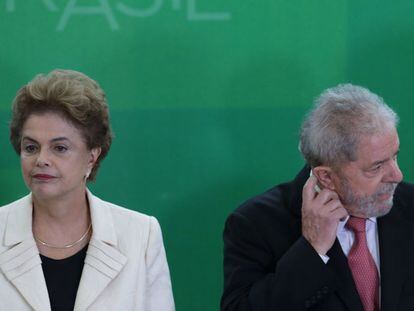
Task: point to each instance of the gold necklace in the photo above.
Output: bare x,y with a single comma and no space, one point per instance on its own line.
67,245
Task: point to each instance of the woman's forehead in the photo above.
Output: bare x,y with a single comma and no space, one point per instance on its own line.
50,126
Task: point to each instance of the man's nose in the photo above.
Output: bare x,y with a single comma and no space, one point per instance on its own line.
394,175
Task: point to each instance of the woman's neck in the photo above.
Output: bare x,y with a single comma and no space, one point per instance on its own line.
60,222
60,212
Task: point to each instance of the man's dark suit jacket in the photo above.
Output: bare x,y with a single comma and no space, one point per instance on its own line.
269,265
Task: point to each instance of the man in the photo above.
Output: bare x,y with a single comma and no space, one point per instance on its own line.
340,235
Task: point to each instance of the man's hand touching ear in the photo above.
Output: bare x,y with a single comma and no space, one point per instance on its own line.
321,213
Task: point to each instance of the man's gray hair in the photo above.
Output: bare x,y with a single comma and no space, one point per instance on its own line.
340,117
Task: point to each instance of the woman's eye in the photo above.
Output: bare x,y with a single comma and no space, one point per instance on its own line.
61,149
30,148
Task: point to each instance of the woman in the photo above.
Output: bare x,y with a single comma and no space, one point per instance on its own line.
62,248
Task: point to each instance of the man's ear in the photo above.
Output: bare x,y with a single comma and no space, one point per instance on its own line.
325,176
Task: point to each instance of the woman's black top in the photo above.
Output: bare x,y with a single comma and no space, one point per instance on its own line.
62,279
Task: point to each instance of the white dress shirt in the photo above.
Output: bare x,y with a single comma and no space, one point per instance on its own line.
346,238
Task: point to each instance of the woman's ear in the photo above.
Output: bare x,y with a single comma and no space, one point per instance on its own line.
324,175
95,153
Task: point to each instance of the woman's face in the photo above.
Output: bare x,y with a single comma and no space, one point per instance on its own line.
54,157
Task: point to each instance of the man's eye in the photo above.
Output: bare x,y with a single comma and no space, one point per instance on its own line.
376,168
61,149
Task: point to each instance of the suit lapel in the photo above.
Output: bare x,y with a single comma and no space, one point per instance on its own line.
345,283
103,260
102,264
21,263
392,231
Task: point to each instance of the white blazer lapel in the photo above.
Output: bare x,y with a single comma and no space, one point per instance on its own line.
21,263
103,260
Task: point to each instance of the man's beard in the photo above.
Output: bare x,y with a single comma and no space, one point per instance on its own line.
368,206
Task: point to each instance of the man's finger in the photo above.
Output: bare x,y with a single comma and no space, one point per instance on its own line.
332,206
325,196
340,213
309,192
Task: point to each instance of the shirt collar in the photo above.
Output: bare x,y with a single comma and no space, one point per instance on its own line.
342,223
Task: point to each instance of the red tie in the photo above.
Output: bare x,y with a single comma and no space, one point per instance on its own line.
363,266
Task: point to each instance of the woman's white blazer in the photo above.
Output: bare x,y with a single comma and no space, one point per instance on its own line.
125,266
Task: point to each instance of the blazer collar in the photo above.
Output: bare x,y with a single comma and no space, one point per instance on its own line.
345,283
104,261
21,262
19,221
102,221
295,188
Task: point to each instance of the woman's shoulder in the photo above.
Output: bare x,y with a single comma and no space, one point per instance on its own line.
121,211
18,210
121,214
131,227
23,201
17,206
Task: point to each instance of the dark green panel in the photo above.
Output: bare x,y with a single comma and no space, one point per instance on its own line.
380,57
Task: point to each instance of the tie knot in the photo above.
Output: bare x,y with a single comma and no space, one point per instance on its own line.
356,224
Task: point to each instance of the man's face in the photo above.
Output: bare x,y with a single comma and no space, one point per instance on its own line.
366,186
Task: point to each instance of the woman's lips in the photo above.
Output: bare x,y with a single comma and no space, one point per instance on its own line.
43,177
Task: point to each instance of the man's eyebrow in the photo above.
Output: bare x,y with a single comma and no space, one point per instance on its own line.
378,162
385,160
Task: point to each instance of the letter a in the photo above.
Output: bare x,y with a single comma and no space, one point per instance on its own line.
71,9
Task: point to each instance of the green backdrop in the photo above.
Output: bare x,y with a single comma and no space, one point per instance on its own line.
206,100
